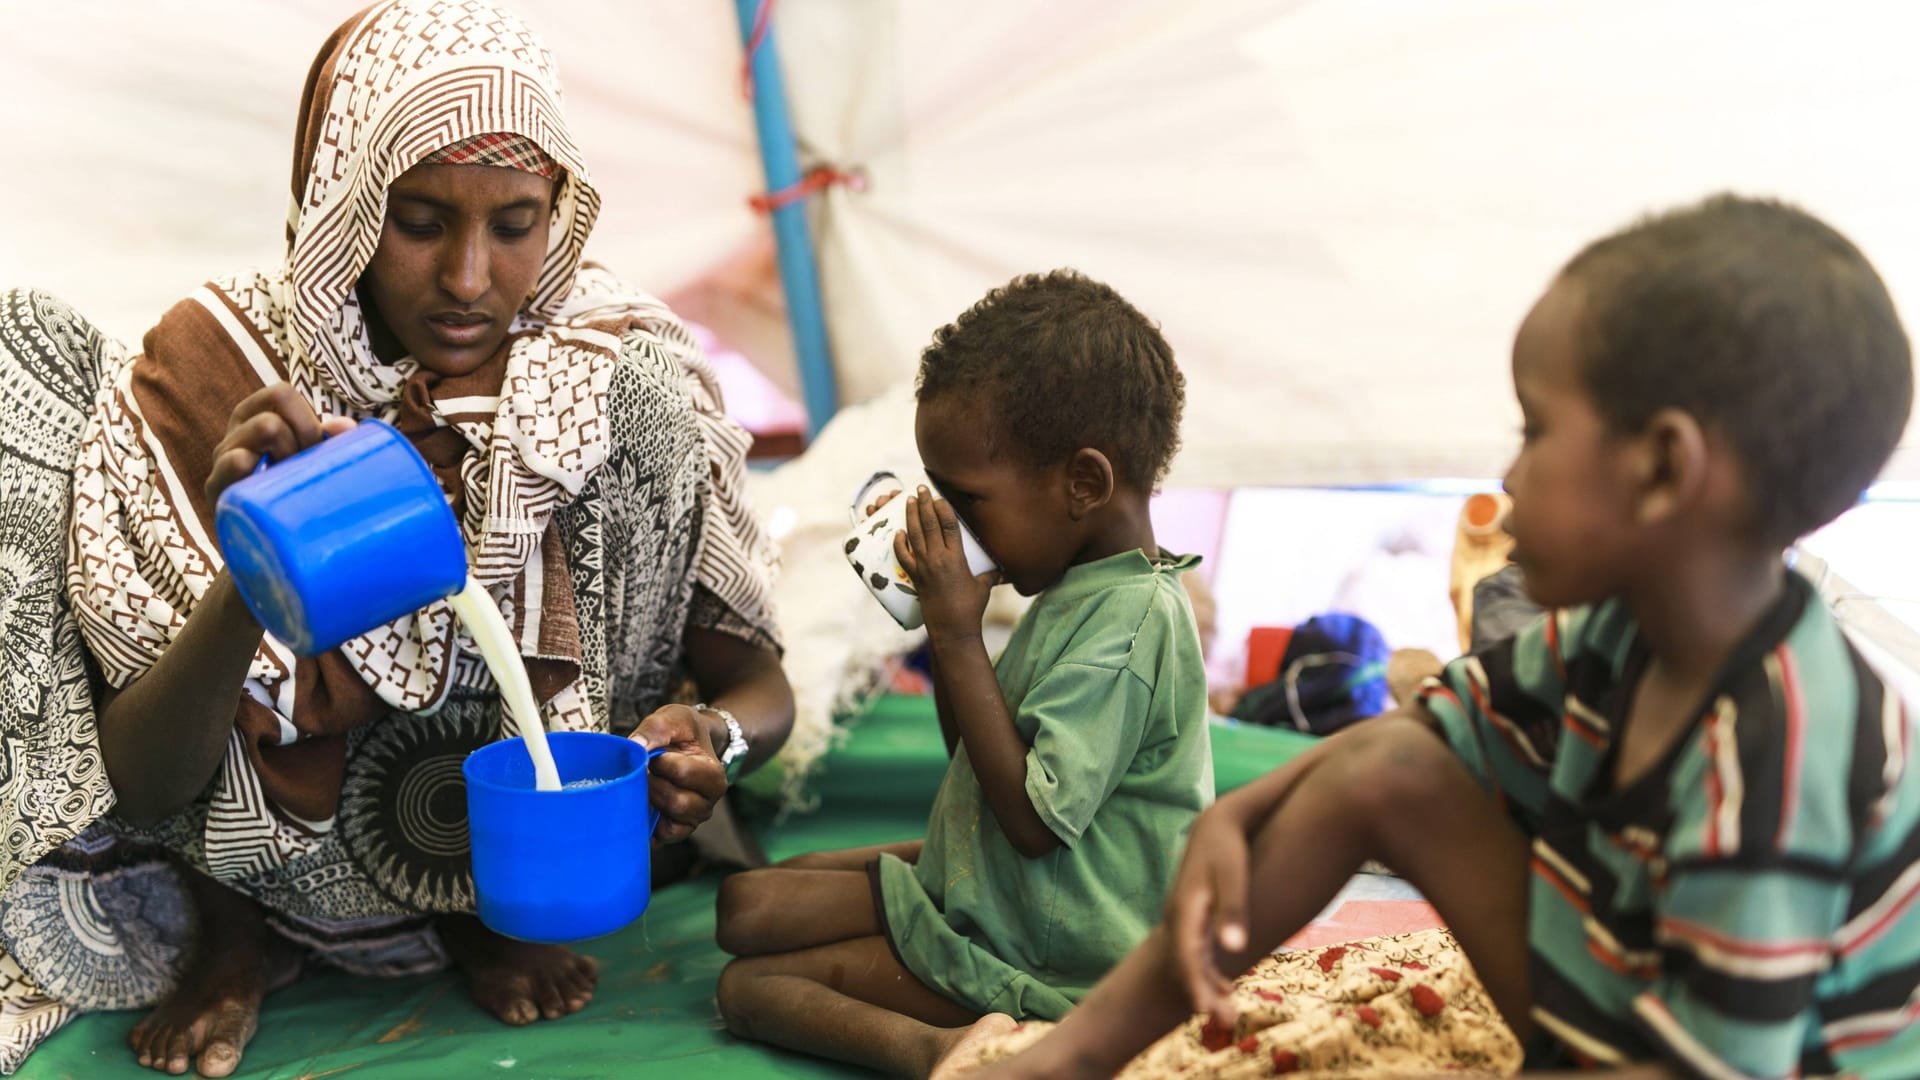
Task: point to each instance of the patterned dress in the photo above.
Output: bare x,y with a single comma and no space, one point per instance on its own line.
595,477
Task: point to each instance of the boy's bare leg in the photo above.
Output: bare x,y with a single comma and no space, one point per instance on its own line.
1394,793
825,1001
793,905
851,858
214,1011
518,981
963,1057
843,997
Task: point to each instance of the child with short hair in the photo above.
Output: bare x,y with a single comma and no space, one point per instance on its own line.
1046,415
1675,825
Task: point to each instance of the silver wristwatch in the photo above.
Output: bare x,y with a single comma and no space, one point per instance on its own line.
734,757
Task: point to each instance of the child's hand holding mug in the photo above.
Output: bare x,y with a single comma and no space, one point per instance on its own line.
880,551
933,551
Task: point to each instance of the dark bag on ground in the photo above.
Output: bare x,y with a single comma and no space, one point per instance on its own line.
1333,672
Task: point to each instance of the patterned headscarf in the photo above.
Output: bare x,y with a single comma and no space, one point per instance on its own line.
502,149
398,83
403,82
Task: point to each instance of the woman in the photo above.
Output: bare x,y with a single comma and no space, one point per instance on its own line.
269,808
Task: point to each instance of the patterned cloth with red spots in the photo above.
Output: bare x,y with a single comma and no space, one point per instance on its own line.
1406,1005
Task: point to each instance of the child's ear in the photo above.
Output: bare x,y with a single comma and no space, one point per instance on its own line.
1089,482
1671,466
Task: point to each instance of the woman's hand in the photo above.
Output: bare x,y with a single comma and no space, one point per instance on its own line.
688,779
273,421
952,599
1207,908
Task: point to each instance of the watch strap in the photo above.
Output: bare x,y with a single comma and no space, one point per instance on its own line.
734,755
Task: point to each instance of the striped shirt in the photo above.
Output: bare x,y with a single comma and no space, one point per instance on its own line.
1750,907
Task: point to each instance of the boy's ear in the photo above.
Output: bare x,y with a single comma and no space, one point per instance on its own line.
1089,482
1670,466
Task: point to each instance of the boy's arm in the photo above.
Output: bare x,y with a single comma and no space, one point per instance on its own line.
994,747
1207,904
952,601
942,708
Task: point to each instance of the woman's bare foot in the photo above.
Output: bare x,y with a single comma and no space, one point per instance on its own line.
517,981
212,1014
207,1022
963,1056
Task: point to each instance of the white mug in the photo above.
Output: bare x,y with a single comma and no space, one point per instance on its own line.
869,548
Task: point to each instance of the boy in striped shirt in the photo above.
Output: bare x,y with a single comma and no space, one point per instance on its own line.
1675,824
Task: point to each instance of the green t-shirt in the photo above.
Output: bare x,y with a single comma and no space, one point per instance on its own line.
1105,683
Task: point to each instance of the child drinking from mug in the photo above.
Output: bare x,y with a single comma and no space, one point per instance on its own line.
1046,414
1675,825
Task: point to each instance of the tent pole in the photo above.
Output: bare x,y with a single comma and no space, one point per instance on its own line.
799,278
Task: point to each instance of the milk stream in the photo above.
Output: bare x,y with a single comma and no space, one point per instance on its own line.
490,632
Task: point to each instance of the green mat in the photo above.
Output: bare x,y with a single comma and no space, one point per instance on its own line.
653,1012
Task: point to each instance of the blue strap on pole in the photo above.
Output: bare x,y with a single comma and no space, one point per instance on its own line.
799,277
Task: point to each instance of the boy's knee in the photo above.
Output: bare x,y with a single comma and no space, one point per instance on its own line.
1400,765
740,898
738,994
731,996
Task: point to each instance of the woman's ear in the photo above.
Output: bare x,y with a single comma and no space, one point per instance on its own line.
1670,464
1089,482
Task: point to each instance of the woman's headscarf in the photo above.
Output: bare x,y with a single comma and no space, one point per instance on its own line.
394,85
399,83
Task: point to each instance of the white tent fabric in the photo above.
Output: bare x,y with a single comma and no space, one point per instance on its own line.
1339,211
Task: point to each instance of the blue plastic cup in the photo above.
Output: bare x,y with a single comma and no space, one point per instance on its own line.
344,536
559,866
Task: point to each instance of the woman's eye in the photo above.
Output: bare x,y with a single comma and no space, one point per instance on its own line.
512,232
416,228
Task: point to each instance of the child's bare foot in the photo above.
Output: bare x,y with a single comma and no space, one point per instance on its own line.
518,981
963,1057
212,1014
